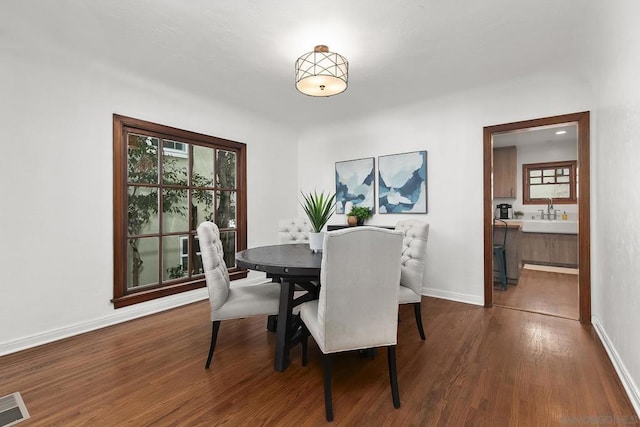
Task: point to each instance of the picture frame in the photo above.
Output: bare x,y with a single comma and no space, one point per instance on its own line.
402,183
355,184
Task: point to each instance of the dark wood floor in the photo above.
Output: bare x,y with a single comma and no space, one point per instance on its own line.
478,367
545,292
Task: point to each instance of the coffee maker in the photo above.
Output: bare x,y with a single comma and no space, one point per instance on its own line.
504,211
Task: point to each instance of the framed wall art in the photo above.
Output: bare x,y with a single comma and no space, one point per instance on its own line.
355,183
402,183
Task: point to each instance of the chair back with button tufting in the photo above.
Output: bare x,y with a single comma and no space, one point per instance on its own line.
294,230
414,252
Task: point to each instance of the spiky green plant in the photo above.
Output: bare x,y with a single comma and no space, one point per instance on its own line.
319,208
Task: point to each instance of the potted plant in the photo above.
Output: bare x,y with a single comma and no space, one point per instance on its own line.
361,213
319,208
518,214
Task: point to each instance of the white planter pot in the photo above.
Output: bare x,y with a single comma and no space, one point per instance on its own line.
315,241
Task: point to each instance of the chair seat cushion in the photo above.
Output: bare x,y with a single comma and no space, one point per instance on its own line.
407,296
252,300
309,315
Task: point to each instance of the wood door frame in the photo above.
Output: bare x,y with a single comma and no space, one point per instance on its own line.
582,120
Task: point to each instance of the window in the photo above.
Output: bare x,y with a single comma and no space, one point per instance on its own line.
184,256
556,180
166,182
174,148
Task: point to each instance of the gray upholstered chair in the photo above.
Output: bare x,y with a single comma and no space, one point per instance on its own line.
414,252
229,301
294,230
357,306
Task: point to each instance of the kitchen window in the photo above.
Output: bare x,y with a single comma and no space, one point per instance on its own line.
166,182
555,180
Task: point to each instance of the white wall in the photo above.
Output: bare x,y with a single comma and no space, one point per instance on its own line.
56,172
450,129
616,249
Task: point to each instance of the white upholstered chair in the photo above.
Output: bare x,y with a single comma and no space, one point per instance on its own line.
358,302
414,252
294,230
228,301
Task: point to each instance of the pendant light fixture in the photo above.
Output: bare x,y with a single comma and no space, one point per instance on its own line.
321,73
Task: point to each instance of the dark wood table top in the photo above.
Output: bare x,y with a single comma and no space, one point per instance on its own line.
282,260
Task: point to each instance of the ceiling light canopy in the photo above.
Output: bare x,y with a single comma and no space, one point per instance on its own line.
321,73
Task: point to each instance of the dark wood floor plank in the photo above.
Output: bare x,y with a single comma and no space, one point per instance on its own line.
478,367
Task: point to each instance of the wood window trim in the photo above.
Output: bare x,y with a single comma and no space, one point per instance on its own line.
571,164
122,296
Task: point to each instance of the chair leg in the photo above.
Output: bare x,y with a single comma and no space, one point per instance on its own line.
328,404
418,314
214,337
304,343
504,261
393,375
272,322
501,260
504,266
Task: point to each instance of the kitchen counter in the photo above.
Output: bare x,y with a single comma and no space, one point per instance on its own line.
541,226
511,223
528,245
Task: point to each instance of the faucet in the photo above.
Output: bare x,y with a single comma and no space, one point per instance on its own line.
549,208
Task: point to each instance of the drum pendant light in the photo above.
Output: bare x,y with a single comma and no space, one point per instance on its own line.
321,73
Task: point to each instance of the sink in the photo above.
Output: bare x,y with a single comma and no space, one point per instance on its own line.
549,226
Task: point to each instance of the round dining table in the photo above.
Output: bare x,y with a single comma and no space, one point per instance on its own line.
290,265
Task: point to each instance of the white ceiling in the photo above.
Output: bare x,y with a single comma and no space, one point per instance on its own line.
242,52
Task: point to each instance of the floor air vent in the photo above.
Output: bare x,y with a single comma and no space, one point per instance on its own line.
12,410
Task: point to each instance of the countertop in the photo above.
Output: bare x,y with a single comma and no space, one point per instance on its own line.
540,226
511,223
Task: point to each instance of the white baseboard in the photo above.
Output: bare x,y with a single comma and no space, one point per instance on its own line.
117,316
453,296
627,382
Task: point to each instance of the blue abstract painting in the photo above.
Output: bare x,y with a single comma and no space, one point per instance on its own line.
402,183
355,183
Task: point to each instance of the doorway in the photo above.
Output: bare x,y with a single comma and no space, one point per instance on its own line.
581,121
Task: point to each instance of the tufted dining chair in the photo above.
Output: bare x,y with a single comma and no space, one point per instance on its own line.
357,307
414,252
294,230
228,301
